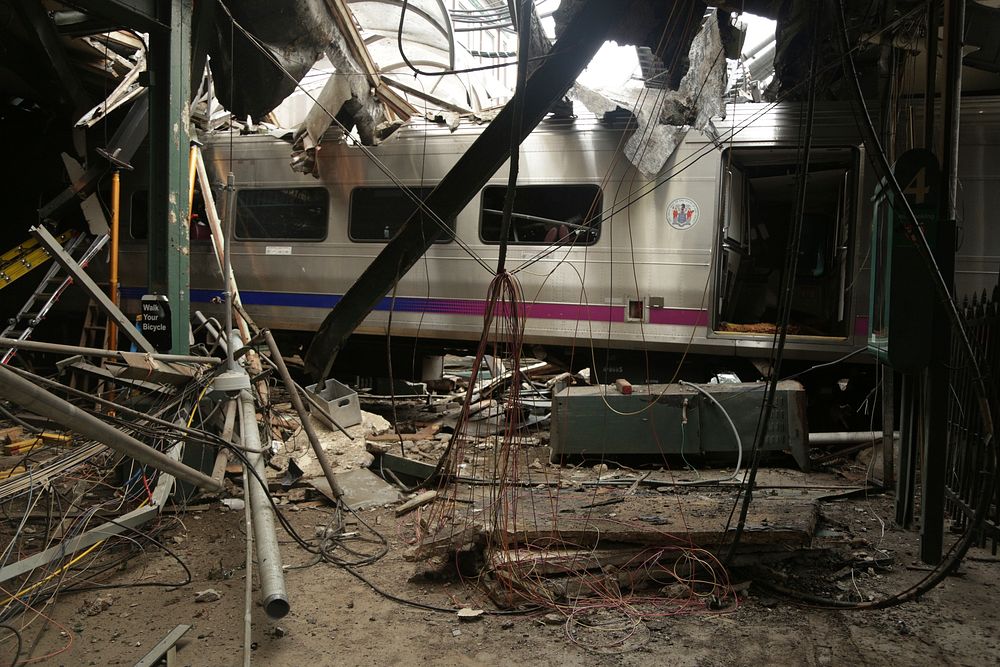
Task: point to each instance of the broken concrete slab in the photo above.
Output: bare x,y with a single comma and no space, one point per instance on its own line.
363,489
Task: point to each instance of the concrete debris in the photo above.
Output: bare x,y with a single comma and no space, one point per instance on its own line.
469,614
362,489
343,453
207,595
97,605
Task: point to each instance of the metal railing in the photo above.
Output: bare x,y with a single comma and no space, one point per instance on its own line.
967,455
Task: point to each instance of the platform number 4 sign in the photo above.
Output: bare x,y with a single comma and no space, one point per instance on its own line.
917,189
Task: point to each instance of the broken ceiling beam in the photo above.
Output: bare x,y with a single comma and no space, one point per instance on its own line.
58,348
359,52
127,90
23,392
34,15
122,146
579,42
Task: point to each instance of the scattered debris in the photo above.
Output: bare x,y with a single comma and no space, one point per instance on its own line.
468,614
207,595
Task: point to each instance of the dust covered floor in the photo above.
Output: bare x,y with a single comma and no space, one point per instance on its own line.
338,620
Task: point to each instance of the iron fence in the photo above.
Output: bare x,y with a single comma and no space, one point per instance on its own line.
967,456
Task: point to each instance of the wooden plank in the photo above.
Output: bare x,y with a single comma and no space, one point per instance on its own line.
10,431
222,457
414,503
565,561
686,521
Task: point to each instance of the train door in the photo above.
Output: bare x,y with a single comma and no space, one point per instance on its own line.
757,212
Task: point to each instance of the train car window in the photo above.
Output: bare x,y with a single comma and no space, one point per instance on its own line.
544,214
293,214
138,217
377,213
759,192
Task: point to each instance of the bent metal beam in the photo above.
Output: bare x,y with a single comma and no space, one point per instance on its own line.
579,42
18,390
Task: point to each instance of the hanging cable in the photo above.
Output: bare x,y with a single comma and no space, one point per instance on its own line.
524,36
787,297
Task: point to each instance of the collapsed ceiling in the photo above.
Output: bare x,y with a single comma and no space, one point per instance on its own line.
60,59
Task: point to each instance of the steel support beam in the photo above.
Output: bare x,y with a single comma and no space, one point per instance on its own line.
138,14
579,42
169,144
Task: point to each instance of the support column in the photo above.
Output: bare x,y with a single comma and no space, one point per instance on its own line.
169,110
938,374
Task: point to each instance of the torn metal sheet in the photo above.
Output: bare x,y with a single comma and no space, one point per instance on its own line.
124,92
93,212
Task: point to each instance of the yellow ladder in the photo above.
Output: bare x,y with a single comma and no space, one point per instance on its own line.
22,258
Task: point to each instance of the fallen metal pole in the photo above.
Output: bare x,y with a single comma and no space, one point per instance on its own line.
847,438
57,348
304,418
272,578
17,389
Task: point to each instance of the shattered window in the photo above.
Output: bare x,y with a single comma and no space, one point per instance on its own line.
377,213
758,198
282,213
544,214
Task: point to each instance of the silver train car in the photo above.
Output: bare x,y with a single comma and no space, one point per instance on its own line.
608,259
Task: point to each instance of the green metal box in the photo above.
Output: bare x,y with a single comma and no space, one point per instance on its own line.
674,419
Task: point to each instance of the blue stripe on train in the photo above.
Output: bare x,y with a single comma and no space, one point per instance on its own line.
289,300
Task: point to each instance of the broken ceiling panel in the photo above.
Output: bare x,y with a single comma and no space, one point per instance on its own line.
664,116
427,47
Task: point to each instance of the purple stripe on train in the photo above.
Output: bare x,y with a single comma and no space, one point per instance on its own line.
690,317
472,307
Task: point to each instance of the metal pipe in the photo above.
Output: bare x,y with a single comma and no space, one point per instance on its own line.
227,264
17,389
58,348
272,578
111,340
304,418
930,73
847,437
